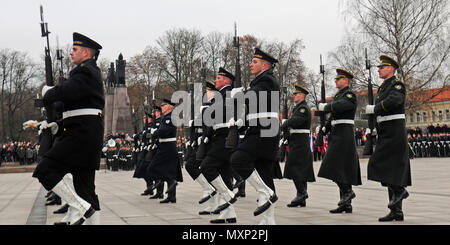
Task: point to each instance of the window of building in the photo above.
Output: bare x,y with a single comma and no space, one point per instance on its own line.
433,116
447,114
417,117
440,115
424,115
411,118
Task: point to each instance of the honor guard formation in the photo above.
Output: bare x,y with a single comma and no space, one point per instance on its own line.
232,149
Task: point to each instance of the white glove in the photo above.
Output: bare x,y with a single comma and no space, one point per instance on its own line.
154,146
317,129
232,122
206,140
234,91
30,124
153,130
370,109
188,143
45,89
367,131
286,142
199,140
239,123
322,106
324,129
44,125
104,149
374,132
280,143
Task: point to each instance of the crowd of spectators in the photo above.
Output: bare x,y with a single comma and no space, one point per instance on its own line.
25,153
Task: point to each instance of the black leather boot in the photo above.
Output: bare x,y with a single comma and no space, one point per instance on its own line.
171,195
55,201
396,214
347,208
400,193
302,195
347,193
62,210
159,191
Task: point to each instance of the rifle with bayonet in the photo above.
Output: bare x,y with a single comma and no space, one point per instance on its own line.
321,114
46,138
59,57
233,134
368,147
284,140
150,139
201,150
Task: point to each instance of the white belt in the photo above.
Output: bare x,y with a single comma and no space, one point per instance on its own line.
342,121
221,125
262,115
81,112
167,140
241,136
299,131
390,117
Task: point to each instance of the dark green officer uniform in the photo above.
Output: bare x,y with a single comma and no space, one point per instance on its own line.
341,163
389,163
299,163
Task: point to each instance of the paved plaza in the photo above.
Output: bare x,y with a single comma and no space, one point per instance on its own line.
22,199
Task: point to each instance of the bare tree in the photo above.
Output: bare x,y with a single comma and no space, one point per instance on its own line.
17,72
182,49
415,33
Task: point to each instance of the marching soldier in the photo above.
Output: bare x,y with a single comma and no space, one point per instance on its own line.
216,167
341,163
210,197
78,148
165,165
299,164
254,157
389,164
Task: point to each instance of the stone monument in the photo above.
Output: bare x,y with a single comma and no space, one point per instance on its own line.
118,116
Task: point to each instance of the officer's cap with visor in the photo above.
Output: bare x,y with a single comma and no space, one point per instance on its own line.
83,41
341,73
300,89
264,56
387,61
225,73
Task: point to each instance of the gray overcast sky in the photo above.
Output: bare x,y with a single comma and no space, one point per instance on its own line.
128,26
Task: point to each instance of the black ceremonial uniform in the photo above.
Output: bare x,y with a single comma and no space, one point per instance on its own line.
255,156
165,165
83,89
217,159
261,150
299,163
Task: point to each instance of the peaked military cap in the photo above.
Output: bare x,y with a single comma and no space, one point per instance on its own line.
167,102
261,55
225,73
341,73
83,41
300,89
209,86
157,108
387,61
